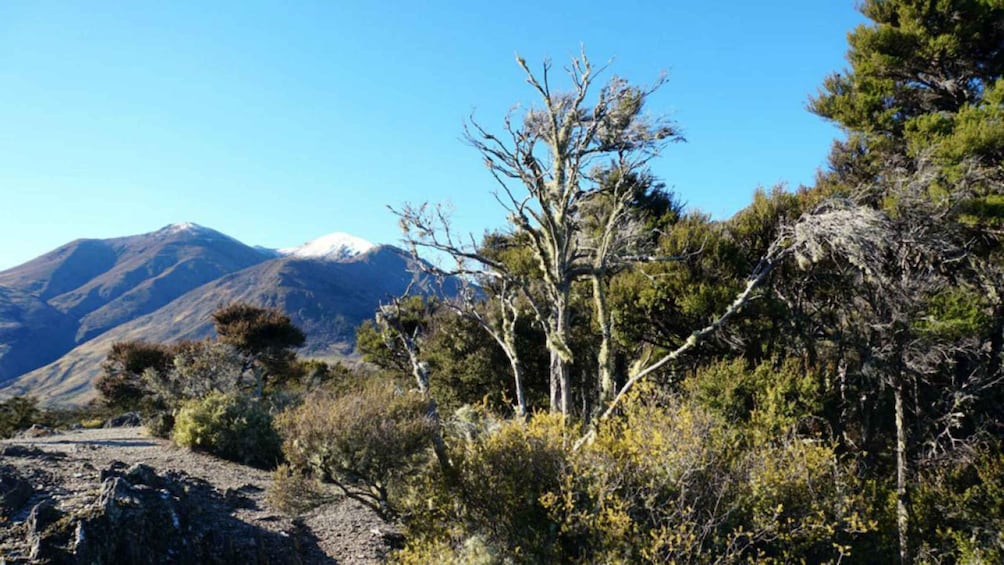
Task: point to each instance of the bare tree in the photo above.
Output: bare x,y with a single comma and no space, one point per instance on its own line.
501,327
402,320
548,165
475,269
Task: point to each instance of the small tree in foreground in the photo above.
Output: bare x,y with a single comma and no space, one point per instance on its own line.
265,338
121,383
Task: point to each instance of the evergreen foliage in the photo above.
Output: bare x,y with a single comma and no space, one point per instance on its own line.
17,413
233,426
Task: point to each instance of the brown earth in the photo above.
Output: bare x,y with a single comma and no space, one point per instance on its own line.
72,471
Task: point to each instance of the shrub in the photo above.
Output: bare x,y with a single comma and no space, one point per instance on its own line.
94,413
774,396
160,424
959,507
503,476
230,425
369,437
121,384
17,413
805,504
667,481
491,510
199,368
295,492
658,484
472,551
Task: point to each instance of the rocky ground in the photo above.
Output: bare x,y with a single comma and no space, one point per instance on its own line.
118,496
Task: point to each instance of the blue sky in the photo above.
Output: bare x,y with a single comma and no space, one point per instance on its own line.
277,122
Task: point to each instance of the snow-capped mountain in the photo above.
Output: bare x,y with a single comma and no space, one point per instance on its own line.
60,312
334,246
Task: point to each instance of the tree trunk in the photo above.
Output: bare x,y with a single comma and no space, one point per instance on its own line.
418,369
560,354
421,373
438,443
566,390
512,353
902,492
604,358
555,382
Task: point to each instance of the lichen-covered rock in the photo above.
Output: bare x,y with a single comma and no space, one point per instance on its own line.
42,516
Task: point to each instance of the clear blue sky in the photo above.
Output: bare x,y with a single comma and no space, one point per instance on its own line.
277,122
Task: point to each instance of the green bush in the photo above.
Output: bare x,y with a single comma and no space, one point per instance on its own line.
17,413
369,437
504,475
672,482
230,425
492,508
667,481
774,396
959,507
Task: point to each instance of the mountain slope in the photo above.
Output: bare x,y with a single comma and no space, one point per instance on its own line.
32,333
150,271
63,269
325,298
95,285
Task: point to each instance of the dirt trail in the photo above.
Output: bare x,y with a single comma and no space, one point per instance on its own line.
66,470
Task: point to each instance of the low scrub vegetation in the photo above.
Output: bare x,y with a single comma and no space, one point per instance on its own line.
232,425
17,413
364,440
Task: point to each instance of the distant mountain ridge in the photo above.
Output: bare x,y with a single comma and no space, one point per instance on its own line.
60,312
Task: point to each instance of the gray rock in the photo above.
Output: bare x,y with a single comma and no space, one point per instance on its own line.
127,420
14,491
30,451
37,430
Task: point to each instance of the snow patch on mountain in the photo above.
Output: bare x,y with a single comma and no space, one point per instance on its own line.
334,246
192,229
185,226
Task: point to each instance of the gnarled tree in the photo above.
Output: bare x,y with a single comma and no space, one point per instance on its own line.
556,160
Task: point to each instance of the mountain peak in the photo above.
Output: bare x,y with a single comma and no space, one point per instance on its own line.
335,246
185,227
192,230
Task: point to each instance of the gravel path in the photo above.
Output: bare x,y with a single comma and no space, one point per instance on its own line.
341,532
